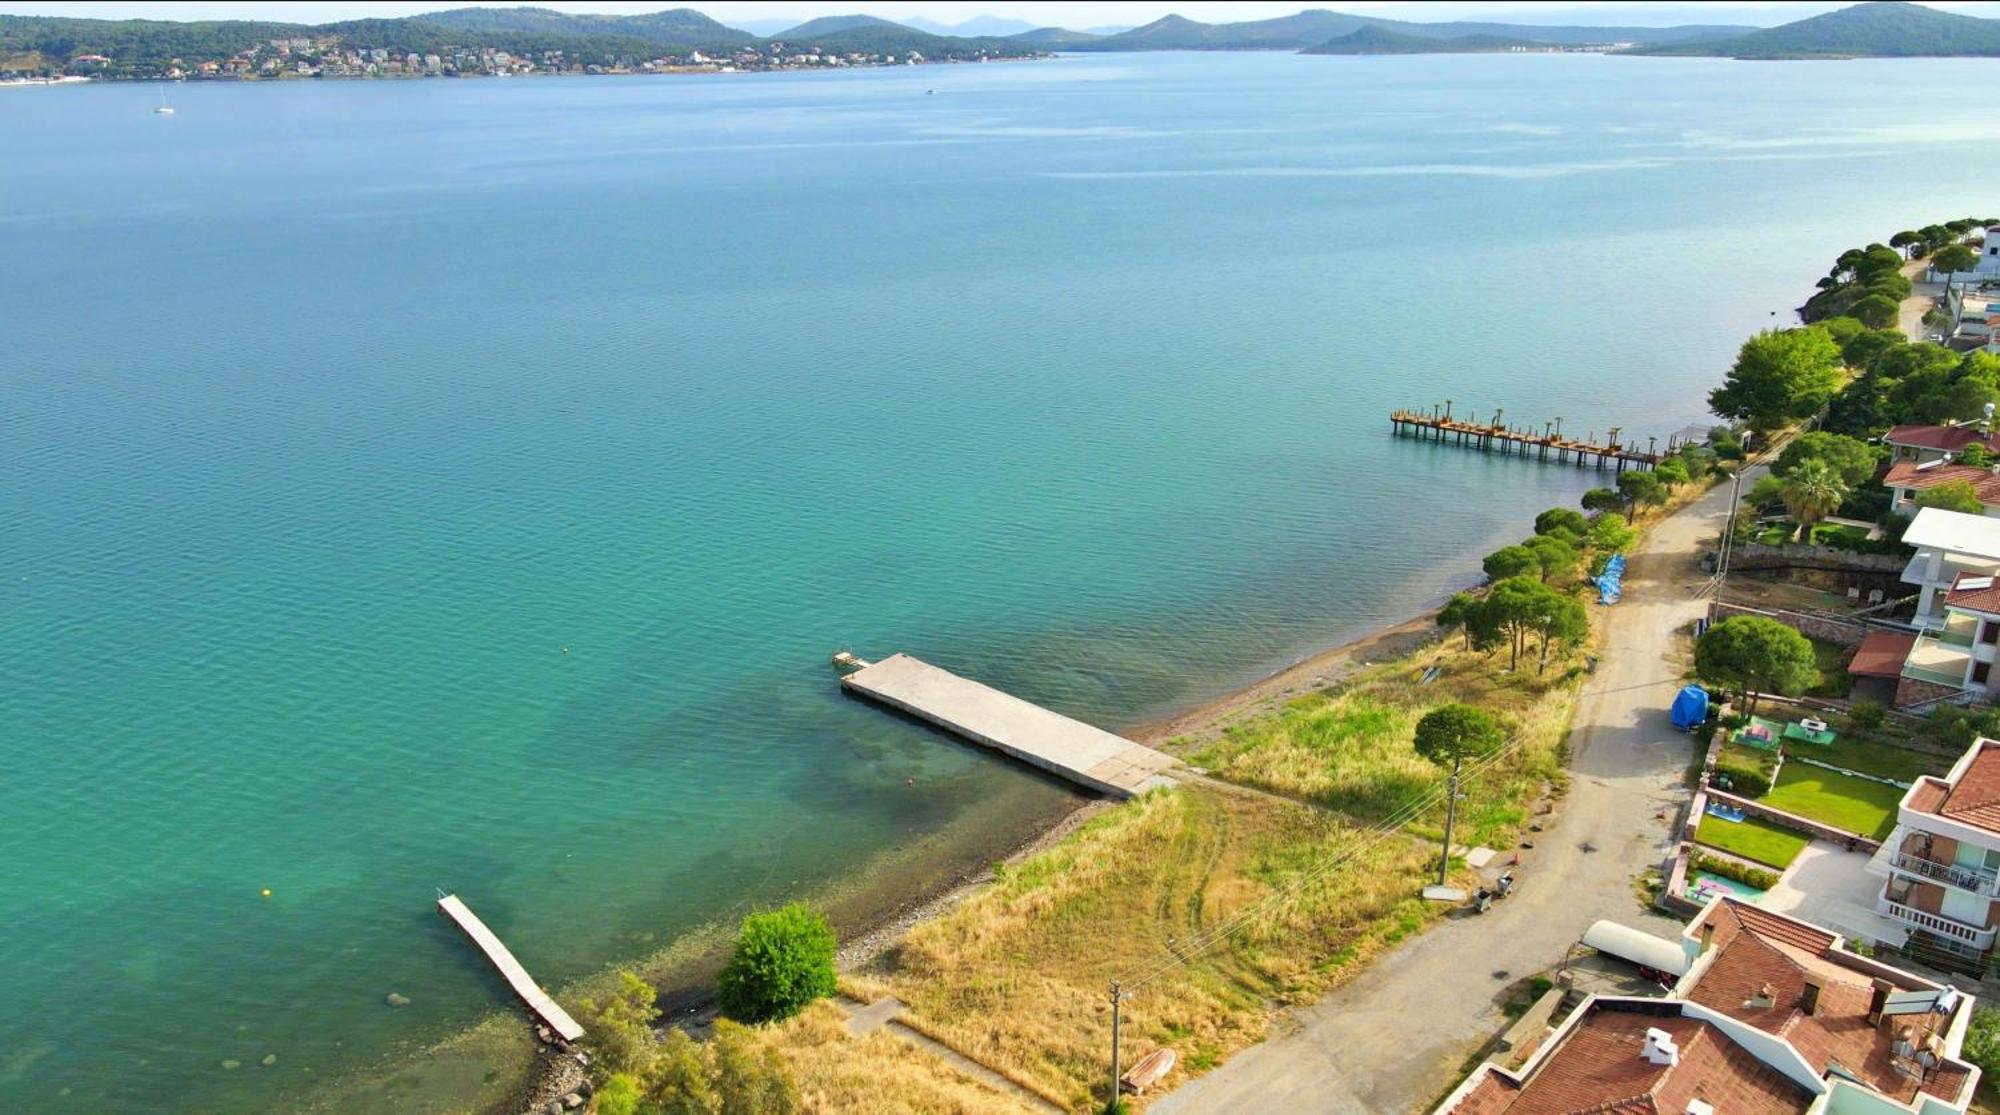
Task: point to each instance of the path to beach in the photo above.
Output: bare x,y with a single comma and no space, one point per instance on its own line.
1398,1036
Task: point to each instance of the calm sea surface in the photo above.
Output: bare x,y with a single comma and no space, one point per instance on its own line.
462,484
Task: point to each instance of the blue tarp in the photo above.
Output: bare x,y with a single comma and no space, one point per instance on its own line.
1690,707
1611,582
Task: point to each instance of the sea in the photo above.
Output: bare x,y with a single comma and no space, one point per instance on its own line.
411,487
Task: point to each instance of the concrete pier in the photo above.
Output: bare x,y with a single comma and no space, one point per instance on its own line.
538,1002
1088,756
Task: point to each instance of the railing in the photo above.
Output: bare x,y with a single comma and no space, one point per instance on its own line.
1980,881
1946,927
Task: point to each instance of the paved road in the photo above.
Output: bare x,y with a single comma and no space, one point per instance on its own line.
1395,1039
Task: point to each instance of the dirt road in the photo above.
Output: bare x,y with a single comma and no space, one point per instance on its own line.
1396,1038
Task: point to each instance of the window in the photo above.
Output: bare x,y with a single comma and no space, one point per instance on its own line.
1979,672
1989,631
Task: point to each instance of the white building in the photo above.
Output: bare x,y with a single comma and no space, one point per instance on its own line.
1942,861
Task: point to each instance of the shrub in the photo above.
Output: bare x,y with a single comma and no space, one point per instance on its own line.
1738,776
1982,1041
1563,519
783,961
1867,716
1741,872
620,1026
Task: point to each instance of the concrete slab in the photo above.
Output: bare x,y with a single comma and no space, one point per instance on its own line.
1831,886
1090,756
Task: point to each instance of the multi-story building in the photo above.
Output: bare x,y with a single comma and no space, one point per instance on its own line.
1941,863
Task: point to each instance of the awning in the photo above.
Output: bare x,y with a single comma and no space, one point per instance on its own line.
1881,655
1633,946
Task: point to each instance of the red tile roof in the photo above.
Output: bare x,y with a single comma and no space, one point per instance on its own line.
1951,439
1930,793
1908,474
1599,1068
1758,954
1975,592
1975,796
1881,654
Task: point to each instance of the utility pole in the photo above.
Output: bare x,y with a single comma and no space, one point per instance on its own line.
1729,530
1450,815
1116,998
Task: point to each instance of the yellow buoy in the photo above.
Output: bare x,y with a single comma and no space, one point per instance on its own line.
267,892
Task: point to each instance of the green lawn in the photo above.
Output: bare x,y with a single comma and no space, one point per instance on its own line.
1843,801
1871,757
1753,839
1839,535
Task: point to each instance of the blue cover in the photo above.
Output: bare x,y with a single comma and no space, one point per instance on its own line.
1690,707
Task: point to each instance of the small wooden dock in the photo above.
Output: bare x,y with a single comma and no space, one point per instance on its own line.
1088,756
545,1009
1437,424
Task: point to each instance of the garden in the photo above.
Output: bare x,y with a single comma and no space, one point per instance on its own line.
1841,801
1752,838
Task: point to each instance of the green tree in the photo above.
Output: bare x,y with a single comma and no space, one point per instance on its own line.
1602,499
620,1095
1447,736
1952,495
1641,487
1779,376
1609,534
1813,491
1902,240
1462,612
1514,610
1673,472
1852,459
1954,258
1726,444
620,1025
1561,519
1756,655
783,960
1511,561
1876,311
1563,622
1555,557
1976,455
750,1076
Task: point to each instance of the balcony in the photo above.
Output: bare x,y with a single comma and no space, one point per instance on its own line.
1933,660
1978,880
1951,929
1959,630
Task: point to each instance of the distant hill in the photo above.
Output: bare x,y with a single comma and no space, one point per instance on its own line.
1375,40
833,24
1877,30
1053,37
1309,29
679,27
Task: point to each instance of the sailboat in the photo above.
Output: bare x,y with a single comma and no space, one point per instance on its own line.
165,109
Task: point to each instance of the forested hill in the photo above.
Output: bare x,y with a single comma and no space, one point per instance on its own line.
1876,30
1310,29
678,27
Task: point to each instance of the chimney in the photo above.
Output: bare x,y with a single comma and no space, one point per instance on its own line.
1809,994
1660,1048
1879,998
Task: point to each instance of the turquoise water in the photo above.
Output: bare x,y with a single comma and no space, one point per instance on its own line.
1711,881
462,484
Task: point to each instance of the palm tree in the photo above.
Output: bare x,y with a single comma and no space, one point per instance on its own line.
1813,490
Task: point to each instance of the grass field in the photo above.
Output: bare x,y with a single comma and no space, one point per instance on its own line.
1873,758
1834,680
1831,798
1753,839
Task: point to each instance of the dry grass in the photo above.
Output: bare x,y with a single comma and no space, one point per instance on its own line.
1016,977
878,1072
1349,750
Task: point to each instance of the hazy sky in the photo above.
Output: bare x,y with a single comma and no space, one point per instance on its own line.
1083,13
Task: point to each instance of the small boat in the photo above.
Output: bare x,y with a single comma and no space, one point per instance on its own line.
1148,1071
165,109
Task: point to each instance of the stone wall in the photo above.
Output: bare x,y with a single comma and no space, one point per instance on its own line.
1847,633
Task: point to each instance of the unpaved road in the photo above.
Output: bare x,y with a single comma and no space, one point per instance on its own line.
1395,1039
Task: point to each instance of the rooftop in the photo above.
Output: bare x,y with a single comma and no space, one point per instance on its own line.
1763,964
1970,795
1953,531
1881,654
1975,592
1950,439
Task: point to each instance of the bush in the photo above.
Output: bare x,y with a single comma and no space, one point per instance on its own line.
1867,716
1561,519
1982,1041
619,1027
1741,872
783,961
1740,777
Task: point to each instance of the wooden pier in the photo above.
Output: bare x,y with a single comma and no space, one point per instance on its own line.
1085,755
1546,445
545,1009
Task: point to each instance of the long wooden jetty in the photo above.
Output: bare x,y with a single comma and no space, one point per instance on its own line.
530,993
1493,437
1088,756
